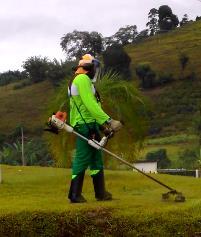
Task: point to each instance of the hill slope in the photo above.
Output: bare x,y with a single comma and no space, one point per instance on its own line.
27,105
177,103
162,51
24,106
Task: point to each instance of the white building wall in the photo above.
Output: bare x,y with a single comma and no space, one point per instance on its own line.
147,167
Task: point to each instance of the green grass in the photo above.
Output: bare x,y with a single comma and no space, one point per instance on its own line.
175,104
174,145
176,139
39,196
162,51
25,106
34,188
173,151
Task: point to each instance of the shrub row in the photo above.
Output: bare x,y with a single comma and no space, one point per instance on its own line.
99,222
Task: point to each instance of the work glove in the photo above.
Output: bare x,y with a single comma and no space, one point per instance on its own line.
108,132
115,125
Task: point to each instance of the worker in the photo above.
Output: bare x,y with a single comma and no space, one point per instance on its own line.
86,117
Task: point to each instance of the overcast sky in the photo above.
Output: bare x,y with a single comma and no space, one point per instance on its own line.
35,27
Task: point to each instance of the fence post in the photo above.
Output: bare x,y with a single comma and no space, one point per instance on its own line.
0,174
197,173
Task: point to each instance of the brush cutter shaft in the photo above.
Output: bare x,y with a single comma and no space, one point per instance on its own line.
62,125
99,145
92,143
132,166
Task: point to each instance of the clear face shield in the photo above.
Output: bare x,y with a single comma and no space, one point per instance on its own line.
97,69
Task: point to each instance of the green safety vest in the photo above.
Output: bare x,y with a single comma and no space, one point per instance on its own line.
84,106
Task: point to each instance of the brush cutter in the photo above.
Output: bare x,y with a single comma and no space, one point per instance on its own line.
57,122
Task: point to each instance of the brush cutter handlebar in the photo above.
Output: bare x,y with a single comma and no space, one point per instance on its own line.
61,125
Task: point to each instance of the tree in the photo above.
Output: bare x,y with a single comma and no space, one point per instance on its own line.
152,24
117,60
125,35
167,20
165,78
107,42
183,59
198,18
37,68
142,35
197,129
11,76
77,43
160,156
146,75
184,20
188,159
56,72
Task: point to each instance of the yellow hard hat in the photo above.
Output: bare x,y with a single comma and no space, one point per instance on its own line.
86,59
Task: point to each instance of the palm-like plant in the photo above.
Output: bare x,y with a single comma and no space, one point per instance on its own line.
121,100
124,101
11,153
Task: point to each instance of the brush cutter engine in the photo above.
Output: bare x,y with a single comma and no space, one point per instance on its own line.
58,122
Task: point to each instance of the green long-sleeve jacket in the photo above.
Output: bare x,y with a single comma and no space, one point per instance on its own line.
83,97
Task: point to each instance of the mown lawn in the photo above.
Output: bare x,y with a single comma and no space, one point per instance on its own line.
34,194
36,188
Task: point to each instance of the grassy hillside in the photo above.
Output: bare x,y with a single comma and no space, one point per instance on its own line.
24,106
162,51
33,201
27,105
176,104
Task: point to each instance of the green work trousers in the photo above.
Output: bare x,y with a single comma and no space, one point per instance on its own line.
85,155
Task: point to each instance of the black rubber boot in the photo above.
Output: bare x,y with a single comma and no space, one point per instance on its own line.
99,187
75,191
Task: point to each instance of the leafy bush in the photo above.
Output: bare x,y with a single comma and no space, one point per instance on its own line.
57,71
165,78
183,59
189,159
117,60
16,133
100,222
11,154
37,68
22,84
191,77
170,106
146,75
160,156
2,139
12,76
35,153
